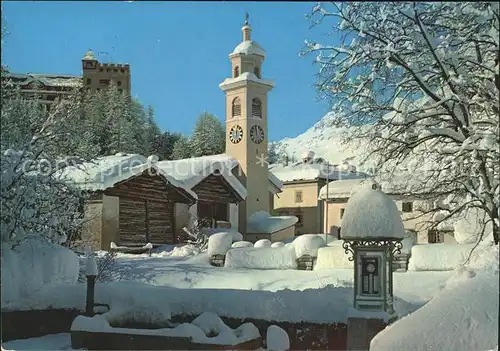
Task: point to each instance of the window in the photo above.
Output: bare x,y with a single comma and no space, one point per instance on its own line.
119,83
122,70
89,81
103,81
256,70
298,196
236,107
236,72
256,108
407,207
342,210
434,237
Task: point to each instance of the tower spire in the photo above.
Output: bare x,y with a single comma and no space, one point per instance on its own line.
246,29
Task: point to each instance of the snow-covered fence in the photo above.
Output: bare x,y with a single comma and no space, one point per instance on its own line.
261,258
32,264
438,257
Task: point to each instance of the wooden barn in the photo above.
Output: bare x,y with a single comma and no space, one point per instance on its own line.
131,202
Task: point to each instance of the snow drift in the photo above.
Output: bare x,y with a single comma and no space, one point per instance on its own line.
33,264
261,258
438,257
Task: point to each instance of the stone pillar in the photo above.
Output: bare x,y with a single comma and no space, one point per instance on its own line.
360,331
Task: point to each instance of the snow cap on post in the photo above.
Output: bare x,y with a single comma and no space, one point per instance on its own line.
91,267
371,214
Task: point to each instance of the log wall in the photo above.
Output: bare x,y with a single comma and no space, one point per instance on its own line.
215,188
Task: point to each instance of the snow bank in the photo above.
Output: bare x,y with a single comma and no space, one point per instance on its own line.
219,243
262,243
277,244
47,342
308,244
333,257
463,316
261,258
33,264
438,257
237,236
240,244
263,222
277,339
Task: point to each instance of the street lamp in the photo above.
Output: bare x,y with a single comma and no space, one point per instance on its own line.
372,230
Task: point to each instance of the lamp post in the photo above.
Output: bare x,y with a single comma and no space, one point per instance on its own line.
372,230
91,272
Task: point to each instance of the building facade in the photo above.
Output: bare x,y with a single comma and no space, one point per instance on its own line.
46,88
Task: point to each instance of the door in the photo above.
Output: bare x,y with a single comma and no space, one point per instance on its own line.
132,221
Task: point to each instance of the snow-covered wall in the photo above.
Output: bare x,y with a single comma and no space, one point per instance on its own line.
32,264
438,257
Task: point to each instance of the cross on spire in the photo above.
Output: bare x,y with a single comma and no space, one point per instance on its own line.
246,18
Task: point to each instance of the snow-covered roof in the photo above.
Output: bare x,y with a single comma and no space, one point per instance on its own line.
244,77
60,80
89,55
263,222
341,188
105,172
311,171
192,171
370,213
248,47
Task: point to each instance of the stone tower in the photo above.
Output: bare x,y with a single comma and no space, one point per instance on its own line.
246,122
97,76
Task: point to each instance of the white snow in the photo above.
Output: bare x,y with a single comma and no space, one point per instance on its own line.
277,339
341,188
91,266
333,257
311,171
355,313
263,222
194,330
467,229
241,244
261,258
249,47
219,243
262,243
237,236
243,77
438,257
34,264
278,244
462,317
369,213
308,244
47,342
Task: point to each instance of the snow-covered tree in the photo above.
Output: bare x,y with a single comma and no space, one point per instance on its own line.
182,148
34,200
208,137
423,79
163,145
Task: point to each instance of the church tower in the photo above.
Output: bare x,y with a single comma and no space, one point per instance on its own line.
246,122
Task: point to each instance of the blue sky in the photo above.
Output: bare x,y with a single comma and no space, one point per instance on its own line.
178,52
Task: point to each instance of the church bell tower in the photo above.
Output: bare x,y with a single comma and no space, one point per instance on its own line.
246,122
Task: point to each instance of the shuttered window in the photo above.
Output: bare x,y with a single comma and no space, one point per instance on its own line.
256,108
236,107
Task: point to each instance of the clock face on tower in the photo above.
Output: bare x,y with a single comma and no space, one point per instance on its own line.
257,134
236,134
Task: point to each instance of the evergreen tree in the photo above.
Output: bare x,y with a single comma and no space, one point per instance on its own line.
208,136
163,145
182,148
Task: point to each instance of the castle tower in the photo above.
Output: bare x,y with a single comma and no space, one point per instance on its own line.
97,76
246,122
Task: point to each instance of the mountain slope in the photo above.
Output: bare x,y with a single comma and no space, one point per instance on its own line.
324,139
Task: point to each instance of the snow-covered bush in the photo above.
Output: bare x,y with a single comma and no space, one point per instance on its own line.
308,244
197,236
262,243
469,228
261,258
241,244
32,264
278,244
438,257
219,243
333,256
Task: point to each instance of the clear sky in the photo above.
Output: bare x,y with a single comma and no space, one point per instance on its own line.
178,52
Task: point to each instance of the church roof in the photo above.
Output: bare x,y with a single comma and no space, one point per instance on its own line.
248,47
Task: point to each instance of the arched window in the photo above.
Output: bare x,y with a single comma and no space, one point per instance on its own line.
236,71
256,70
256,108
236,107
